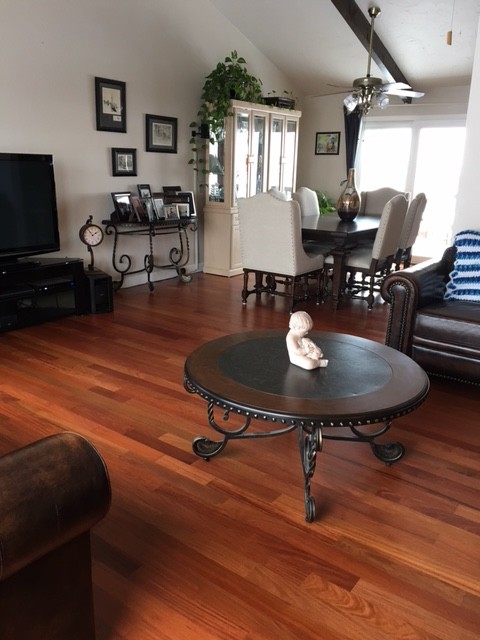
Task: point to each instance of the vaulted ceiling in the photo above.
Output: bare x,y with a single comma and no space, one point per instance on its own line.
312,43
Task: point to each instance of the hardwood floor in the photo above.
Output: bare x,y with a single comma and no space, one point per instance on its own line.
221,550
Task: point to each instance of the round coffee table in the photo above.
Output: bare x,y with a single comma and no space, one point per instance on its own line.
365,386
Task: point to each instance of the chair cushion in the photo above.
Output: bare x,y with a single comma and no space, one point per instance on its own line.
464,282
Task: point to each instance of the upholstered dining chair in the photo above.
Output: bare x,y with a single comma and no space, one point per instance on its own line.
309,206
372,202
271,247
410,230
308,201
375,262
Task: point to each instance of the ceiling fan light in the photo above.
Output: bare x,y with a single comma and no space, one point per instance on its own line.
382,101
350,103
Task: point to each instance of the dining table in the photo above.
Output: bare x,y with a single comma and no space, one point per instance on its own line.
339,237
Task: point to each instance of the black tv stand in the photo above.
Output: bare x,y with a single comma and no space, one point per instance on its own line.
35,291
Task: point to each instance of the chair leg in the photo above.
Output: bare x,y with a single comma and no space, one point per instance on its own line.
245,286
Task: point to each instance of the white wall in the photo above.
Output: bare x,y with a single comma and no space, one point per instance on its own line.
467,214
51,51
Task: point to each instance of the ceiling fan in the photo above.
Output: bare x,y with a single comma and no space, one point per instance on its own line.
369,91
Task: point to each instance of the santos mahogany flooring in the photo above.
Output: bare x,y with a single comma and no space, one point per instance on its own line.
221,550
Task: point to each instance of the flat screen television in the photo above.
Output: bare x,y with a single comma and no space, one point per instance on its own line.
28,206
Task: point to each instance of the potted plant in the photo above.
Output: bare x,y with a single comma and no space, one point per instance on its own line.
324,203
229,80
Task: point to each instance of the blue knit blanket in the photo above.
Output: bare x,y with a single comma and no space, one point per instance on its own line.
464,282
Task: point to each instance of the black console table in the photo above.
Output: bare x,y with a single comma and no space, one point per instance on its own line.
178,256
36,290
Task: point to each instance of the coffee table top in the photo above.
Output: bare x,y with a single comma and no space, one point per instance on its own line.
250,374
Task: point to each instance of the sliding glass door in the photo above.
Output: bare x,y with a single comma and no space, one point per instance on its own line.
416,156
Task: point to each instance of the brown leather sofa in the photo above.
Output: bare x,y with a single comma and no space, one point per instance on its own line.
51,493
442,336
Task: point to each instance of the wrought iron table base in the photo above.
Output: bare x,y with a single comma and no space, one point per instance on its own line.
310,442
178,256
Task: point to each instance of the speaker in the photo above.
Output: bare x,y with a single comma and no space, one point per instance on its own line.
100,288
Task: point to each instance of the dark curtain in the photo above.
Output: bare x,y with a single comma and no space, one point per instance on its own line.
353,121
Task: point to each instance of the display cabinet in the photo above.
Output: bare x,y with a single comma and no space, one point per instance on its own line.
258,151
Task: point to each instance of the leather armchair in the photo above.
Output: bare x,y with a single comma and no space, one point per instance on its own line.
52,492
442,336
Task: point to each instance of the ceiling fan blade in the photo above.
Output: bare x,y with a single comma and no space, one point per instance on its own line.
339,86
404,93
395,85
332,93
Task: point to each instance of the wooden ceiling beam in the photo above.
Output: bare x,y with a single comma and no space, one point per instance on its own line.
360,26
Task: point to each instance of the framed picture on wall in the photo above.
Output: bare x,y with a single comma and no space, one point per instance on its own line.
327,143
111,105
160,134
124,162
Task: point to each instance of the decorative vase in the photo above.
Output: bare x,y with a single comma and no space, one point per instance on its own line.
348,204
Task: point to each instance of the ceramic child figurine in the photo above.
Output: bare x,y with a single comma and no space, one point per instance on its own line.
302,351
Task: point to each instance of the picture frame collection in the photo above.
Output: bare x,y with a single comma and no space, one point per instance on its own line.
161,132
150,207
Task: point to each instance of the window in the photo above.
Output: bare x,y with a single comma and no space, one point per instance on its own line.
416,156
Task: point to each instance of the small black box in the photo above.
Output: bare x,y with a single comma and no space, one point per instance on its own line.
100,290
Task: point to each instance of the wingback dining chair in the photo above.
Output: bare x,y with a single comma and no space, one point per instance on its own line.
308,201
372,202
271,247
410,229
375,262
309,206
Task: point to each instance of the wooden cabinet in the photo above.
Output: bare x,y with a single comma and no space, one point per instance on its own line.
258,151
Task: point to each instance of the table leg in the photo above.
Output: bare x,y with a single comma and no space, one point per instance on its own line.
309,442
339,256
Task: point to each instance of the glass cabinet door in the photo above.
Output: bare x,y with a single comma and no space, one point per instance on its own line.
216,175
275,159
289,154
249,158
257,156
242,152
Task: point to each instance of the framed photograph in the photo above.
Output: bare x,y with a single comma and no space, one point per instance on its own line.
161,134
171,189
111,105
158,202
139,209
187,196
171,211
327,143
149,208
123,206
183,209
124,162
144,190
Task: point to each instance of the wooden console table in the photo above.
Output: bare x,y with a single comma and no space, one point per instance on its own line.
178,256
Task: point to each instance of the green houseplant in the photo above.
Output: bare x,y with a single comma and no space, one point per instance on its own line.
229,80
325,204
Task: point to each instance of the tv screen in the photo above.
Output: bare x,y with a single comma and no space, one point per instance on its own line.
28,206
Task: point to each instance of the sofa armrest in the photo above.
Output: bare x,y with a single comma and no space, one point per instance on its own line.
52,491
407,291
